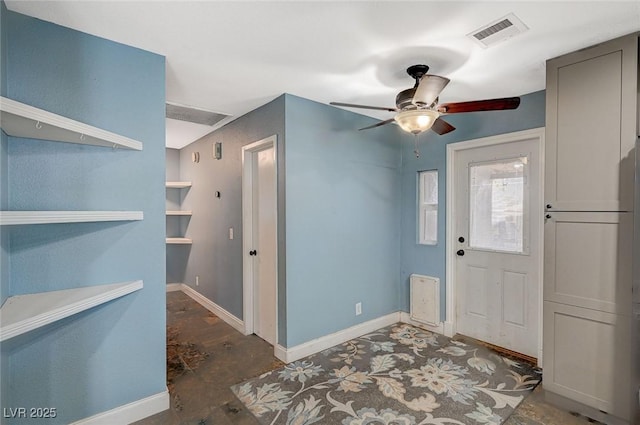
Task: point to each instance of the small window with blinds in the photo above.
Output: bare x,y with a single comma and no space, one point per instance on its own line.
428,207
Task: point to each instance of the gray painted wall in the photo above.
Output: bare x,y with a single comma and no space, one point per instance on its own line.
213,257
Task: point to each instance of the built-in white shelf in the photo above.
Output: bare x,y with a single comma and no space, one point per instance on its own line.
178,185
177,212
179,241
24,313
52,217
20,120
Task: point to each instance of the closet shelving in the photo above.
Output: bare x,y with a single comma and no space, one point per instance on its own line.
21,120
23,313
178,185
52,217
178,213
179,241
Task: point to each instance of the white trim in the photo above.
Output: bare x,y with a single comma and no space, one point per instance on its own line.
450,323
53,217
227,317
297,352
174,287
21,120
247,231
130,412
177,212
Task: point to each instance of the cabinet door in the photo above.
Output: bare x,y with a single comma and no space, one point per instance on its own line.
588,260
591,127
587,357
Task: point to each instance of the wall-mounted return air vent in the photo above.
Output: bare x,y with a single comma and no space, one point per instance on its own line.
498,31
194,115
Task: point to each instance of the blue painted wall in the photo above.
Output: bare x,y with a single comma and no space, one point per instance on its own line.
4,186
4,176
427,259
342,219
114,354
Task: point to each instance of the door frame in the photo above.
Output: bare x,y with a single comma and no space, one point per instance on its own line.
248,307
450,273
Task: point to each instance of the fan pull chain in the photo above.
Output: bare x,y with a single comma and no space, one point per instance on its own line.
416,151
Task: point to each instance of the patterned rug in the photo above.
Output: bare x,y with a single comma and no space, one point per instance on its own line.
398,375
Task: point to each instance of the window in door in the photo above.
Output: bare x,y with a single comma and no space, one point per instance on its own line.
498,200
428,207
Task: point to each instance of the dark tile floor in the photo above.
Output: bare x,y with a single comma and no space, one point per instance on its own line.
201,395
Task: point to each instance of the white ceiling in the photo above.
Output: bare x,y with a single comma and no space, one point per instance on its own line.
233,56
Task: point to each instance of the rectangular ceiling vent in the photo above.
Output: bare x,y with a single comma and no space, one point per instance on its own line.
194,115
497,31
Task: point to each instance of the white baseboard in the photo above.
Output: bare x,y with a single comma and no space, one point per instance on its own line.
449,329
173,287
229,318
130,412
406,318
297,352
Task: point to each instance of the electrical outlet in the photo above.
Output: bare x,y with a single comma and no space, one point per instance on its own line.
197,280
358,309
231,233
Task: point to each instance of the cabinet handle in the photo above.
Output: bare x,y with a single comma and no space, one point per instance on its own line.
549,206
548,216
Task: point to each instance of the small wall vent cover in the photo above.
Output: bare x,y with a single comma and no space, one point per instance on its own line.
498,31
194,115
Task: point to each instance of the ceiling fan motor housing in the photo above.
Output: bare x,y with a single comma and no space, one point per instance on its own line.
404,98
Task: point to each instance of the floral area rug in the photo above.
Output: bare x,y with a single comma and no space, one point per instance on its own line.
398,375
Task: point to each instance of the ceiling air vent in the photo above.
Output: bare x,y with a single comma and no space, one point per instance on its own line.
194,115
498,31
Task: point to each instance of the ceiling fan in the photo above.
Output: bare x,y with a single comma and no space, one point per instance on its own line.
417,108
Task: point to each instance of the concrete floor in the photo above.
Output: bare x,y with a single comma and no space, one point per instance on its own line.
201,395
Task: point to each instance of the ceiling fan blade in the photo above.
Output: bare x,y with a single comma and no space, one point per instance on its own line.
429,89
479,105
441,127
390,120
351,105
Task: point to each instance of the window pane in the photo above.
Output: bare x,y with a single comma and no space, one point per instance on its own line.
428,207
429,226
429,180
497,195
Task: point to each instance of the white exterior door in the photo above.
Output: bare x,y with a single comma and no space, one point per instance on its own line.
497,244
260,239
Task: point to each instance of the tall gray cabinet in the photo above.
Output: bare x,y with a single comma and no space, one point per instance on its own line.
591,298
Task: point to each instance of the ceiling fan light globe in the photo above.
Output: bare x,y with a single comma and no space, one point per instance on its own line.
417,120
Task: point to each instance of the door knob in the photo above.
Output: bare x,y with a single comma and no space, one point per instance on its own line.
253,252
460,252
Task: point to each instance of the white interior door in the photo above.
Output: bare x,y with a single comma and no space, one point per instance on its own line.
259,185
497,243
